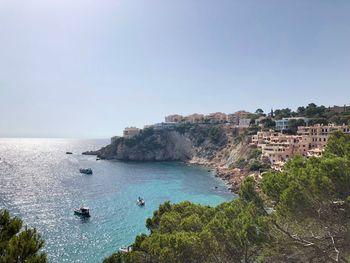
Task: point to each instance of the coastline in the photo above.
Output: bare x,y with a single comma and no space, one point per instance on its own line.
232,177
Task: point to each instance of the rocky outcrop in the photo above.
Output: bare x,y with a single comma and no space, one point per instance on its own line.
162,145
179,144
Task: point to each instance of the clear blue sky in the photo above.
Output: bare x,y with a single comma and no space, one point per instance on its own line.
88,68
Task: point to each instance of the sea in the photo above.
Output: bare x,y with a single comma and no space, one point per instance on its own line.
42,184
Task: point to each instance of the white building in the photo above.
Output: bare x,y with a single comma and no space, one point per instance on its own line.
283,123
244,123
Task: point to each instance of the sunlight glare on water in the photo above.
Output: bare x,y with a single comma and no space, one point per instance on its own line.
42,185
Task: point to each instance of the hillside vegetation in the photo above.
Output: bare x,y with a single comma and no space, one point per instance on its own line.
299,215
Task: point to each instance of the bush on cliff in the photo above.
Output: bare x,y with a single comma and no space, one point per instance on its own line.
299,215
19,245
255,165
147,140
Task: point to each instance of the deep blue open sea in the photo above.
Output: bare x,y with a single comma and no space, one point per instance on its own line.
42,185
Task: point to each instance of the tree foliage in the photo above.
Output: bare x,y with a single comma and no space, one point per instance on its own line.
316,114
19,245
293,125
232,232
301,214
310,199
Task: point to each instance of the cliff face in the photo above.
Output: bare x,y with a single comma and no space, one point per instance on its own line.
205,144
150,146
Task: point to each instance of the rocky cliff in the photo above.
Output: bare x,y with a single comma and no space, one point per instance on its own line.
206,144
222,147
150,145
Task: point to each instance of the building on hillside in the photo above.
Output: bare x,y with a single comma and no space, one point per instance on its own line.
309,141
318,135
194,118
244,123
243,114
131,132
232,118
174,118
282,124
235,118
165,125
217,117
340,109
277,147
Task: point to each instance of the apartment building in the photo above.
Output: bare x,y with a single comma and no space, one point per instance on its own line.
277,147
243,114
216,117
174,118
317,136
232,118
309,141
283,123
194,118
239,118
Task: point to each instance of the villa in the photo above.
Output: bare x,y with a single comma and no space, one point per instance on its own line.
131,132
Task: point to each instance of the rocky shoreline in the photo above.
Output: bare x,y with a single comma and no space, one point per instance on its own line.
232,177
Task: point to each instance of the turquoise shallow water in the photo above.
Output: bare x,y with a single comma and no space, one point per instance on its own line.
41,184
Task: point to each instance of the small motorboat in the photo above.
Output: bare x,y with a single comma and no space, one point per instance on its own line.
69,153
125,249
85,171
82,211
140,201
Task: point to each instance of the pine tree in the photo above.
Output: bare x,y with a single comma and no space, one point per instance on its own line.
17,244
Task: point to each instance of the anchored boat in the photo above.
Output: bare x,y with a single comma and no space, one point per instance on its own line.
140,201
85,171
82,211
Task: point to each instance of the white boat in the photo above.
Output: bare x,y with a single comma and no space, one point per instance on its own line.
125,249
140,201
